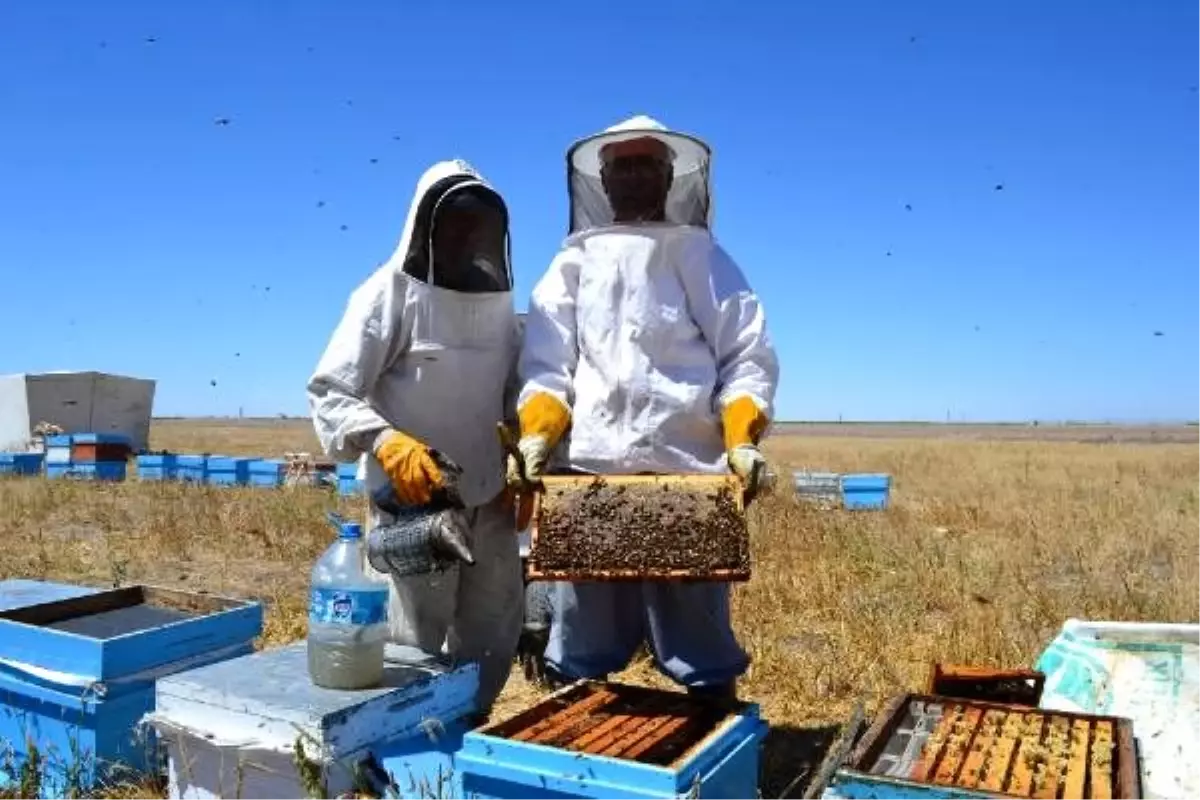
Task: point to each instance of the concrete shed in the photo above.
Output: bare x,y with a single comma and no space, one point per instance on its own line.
77,402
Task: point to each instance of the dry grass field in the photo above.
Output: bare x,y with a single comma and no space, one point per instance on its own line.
992,541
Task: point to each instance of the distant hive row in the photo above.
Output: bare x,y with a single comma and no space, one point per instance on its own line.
105,457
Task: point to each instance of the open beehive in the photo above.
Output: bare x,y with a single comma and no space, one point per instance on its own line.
639,527
1000,750
648,726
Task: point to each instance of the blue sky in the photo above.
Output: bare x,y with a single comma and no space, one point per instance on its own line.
140,237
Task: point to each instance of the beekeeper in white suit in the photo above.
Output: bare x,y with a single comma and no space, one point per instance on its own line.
416,373
646,342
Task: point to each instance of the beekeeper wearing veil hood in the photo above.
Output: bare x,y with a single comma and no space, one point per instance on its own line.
645,351
416,376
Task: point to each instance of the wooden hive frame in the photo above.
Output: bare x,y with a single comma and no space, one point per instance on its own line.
1001,750
631,723
1017,686
555,485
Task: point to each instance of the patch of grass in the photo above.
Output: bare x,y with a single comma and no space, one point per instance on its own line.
988,547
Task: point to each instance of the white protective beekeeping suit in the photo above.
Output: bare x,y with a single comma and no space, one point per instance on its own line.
435,364
646,331
649,334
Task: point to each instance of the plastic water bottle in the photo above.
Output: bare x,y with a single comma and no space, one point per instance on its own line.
347,616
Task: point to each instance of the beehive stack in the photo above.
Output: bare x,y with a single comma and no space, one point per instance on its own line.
1010,750
640,528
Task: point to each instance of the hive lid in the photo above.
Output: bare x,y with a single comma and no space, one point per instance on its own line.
266,699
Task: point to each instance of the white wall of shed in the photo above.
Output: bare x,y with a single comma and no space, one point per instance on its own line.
14,414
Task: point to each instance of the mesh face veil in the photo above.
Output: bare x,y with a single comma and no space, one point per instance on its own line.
635,159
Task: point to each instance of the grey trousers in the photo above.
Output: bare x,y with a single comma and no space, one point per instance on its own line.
474,612
598,626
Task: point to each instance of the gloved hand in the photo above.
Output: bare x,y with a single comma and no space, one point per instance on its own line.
544,419
415,470
535,452
744,424
748,463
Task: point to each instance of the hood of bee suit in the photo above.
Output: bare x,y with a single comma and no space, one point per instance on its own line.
440,183
689,201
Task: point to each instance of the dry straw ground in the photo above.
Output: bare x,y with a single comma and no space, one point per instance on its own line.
994,538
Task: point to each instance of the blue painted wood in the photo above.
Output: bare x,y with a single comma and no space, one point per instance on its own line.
99,438
19,592
271,691
84,737
266,472
724,765
98,471
21,463
866,491
228,471
157,467
191,468
86,732
58,454
104,659
58,440
347,479
848,783
423,765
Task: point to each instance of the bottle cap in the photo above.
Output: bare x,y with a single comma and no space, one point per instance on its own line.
351,530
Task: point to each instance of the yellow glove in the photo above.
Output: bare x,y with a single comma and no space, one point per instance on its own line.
744,424
414,469
544,420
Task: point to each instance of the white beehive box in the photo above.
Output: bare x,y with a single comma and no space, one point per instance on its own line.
823,489
232,728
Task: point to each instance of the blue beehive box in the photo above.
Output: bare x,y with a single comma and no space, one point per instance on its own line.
347,479
266,472
58,449
157,467
77,673
97,471
228,470
405,732
98,438
612,740
21,463
866,491
191,468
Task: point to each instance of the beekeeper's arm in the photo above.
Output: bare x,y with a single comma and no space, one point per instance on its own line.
547,366
370,336
733,322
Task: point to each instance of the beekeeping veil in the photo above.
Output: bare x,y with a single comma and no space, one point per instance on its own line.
689,199
456,234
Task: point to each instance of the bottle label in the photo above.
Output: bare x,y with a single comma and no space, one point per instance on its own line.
348,607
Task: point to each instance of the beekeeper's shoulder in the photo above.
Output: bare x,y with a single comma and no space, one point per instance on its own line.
570,253
700,253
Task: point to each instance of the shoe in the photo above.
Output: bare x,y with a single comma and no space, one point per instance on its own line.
717,692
